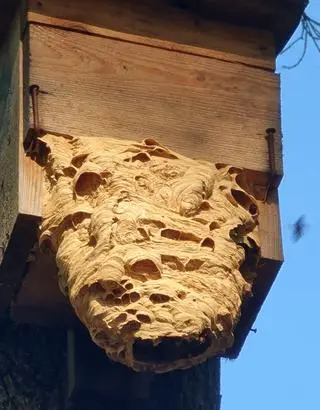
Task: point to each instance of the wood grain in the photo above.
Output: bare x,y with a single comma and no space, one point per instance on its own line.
19,214
158,25
270,228
9,97
30,173
202,108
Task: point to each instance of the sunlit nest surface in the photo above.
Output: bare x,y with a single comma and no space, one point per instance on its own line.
156,252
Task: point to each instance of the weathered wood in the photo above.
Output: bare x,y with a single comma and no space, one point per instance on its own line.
264,15
158,25
270,227
280,17
269,266
19,177
40,300
9,130
9,148
203,108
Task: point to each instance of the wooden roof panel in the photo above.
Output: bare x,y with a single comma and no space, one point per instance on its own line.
279,16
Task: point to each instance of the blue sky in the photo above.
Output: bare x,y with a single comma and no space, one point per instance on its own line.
279,366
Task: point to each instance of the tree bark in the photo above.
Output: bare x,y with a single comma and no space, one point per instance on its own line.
32,367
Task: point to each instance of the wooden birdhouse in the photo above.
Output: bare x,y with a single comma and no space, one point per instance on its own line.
169,111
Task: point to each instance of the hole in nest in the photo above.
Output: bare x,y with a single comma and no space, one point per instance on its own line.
78,160
234,170
131,327
143,233
92,241
97,288
142,157
173,262
194,264
143,318
132,311
70,172
78,217
205,206
146,268
178,235
241,180
109,299
171,349
220,166
106,174
134,297
120,319
181,294
208,243
87,183
245,201
253,209
214,225
237,234
150,141
46,245
118,292
101,338
125,299
159,298
250,262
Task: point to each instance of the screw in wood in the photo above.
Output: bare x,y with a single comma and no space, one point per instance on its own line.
272,160
34,92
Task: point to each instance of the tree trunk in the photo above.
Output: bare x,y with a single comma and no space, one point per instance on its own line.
32,367
33,376
99,384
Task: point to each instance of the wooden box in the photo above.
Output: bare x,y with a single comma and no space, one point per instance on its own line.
137,69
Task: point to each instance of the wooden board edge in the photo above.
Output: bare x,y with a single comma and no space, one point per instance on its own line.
270,227
85,28
30,173
266,275
12,268
30,186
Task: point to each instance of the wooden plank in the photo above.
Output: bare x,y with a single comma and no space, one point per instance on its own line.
266,276
203,108
19,206
270,227
268,269
9,129
30,173
40,300
158,25
280,17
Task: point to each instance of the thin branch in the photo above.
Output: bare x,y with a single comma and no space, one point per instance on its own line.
305,46
310,29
